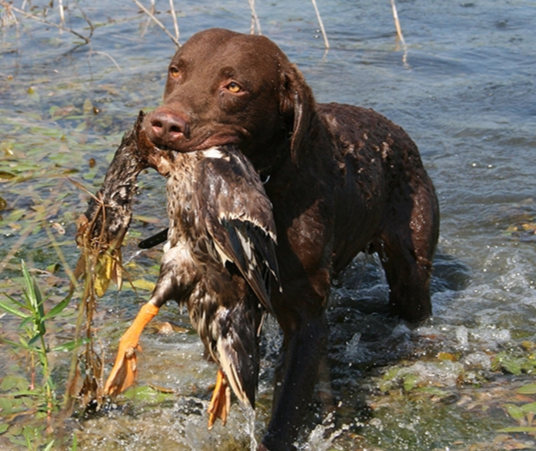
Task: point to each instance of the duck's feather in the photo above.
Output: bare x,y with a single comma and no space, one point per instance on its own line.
238,217
237,350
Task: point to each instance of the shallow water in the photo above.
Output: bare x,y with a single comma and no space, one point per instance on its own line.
464,89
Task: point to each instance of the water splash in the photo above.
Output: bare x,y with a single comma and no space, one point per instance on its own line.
249,425
353,353
320,438
133,256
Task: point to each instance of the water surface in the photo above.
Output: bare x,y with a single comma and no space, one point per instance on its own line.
464,89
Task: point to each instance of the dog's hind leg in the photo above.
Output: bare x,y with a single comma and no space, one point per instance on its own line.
407,246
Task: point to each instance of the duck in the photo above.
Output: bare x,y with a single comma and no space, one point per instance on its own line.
219,261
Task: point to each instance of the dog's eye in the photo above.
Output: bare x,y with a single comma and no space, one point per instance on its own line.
174,72
234,87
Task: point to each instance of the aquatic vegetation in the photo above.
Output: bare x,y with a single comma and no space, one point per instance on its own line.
37,396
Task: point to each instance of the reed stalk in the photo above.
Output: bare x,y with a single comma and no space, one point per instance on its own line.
322,29
157,22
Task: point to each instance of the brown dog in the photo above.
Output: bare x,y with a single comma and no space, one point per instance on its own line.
341,179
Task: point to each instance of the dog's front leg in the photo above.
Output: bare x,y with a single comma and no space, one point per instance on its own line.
303,349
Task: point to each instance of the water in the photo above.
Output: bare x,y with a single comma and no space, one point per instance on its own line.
465,92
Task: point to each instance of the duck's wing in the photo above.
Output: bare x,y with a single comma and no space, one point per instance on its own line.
238,217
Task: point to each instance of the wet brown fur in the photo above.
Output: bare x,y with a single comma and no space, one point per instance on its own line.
342,179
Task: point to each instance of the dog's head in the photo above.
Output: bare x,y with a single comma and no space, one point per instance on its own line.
230,88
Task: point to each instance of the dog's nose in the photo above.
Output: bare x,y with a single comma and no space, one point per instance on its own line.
167,126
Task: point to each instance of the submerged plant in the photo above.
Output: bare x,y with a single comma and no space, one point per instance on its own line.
523,413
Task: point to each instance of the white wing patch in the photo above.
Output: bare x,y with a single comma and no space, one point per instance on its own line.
244,217
215,152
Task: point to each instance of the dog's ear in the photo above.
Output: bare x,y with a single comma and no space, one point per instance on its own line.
298,104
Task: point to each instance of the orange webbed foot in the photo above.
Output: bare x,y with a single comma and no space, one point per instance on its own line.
125,370
220,404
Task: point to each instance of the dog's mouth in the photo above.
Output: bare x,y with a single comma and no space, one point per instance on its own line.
186,146
172,130
218,140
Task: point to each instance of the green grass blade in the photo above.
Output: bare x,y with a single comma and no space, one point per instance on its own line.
525,429
9,342
33,340
57,309
32,289
35,299
13,310
69,346
22,305
28,283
